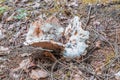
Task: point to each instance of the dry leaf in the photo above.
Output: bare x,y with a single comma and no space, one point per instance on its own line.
38,74
25,64
78,76
98,44
98,65
53,20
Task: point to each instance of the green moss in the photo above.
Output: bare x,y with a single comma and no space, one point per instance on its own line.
21,14
3,9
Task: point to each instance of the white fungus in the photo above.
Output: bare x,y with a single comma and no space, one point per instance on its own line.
76,37
76,44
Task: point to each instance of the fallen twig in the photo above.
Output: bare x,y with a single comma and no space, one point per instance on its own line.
88,18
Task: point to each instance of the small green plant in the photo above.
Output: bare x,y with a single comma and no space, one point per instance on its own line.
3,9
21,14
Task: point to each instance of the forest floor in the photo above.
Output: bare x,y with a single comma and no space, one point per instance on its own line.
101,61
